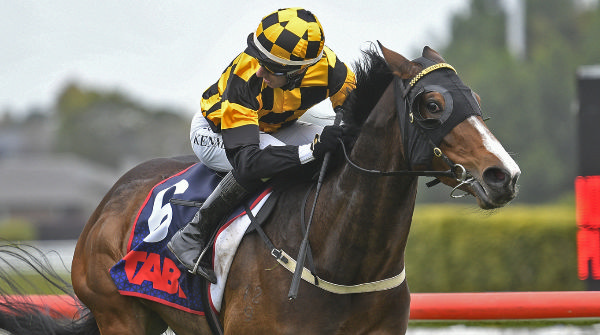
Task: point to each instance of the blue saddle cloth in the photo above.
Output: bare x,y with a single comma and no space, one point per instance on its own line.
149,270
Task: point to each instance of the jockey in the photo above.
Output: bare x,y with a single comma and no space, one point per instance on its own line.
248,123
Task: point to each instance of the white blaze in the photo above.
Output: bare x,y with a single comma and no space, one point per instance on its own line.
493,145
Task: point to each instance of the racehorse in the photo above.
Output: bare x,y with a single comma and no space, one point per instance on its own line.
412,118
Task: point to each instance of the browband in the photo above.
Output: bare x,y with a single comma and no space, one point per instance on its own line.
429,69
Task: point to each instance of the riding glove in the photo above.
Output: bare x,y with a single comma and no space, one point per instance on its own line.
328,141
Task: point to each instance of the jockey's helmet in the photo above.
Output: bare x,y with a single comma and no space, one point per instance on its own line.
288,40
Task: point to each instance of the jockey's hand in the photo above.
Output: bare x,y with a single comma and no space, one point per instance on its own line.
328,141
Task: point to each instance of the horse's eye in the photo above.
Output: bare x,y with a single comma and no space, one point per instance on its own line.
432,107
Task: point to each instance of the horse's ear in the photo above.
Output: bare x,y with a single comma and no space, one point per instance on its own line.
433,55
399,65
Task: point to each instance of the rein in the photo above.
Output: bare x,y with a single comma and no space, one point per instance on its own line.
461,175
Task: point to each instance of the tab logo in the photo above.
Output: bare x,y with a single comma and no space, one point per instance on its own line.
164,277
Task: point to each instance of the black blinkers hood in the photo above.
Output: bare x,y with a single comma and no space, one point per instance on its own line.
420,140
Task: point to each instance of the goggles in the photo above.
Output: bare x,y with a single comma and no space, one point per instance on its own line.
270,68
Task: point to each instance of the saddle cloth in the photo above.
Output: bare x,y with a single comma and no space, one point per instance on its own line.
150,271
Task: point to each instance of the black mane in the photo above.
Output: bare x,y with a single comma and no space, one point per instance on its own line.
372,78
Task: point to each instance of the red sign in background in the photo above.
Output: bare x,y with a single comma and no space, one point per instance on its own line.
587,197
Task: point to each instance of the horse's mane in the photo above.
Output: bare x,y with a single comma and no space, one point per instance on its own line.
372,78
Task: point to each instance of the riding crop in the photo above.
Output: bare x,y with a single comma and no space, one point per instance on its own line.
293,293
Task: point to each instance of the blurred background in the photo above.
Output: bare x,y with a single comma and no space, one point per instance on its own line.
89,89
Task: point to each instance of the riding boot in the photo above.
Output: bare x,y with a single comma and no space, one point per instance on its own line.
190,241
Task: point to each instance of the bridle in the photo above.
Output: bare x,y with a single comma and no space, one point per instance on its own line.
455,170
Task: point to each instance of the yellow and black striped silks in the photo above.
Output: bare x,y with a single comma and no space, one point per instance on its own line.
240,98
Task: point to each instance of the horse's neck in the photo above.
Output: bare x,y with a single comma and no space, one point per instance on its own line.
369,216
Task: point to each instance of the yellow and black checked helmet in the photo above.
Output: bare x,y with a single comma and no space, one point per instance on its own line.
288,39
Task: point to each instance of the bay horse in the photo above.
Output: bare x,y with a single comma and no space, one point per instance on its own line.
412,118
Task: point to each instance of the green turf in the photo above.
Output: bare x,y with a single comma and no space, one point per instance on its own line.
32,284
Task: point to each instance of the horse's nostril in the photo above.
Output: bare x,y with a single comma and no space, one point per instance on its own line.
496,176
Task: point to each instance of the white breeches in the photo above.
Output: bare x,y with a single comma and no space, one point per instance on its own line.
209,148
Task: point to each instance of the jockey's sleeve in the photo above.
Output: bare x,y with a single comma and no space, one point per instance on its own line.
250,163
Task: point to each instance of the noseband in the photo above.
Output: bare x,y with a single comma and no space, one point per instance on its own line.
421,136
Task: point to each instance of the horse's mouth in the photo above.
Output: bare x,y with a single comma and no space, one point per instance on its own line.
490,199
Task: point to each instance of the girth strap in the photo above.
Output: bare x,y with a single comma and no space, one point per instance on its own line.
381,285
290,264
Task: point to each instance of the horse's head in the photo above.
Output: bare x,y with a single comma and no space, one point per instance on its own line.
442,125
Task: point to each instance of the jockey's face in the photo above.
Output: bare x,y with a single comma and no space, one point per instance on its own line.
272,80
